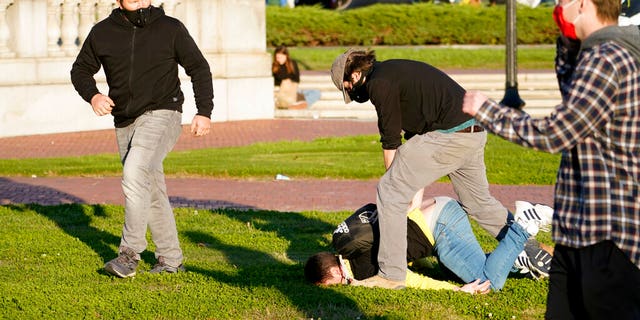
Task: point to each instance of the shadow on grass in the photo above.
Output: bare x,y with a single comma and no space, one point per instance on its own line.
70,213
259,268
75,220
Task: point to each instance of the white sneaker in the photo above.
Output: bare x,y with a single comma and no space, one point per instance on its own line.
533,217
546,213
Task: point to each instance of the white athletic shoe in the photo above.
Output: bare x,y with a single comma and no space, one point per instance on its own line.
533,217
546,213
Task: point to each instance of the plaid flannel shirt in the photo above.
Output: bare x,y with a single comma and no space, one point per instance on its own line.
597,130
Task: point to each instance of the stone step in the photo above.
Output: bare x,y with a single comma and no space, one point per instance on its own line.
525,94
539,78
539,91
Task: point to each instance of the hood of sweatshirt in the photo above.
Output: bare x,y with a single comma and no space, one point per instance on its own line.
627,36
117,16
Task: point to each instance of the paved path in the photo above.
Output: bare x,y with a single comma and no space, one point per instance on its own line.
208,193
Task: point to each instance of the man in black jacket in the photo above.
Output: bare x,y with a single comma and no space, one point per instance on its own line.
139,48
417,99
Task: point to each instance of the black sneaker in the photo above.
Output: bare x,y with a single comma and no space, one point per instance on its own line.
161,267
540,259
124,265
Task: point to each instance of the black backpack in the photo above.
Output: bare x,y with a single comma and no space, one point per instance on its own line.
355,239
355,235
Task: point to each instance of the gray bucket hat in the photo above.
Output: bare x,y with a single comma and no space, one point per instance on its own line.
337,73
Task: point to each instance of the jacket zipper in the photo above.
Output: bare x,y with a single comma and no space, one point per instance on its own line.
133,45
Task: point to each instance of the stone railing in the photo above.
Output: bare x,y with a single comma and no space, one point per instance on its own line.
39,40
66,23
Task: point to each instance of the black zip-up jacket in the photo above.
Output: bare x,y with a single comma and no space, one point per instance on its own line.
141,66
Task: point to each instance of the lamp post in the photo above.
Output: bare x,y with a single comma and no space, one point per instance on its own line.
511,96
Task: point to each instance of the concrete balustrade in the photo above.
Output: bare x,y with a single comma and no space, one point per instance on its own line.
39,40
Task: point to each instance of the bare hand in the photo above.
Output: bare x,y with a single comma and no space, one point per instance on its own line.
101,104
200,126
473,100
476,287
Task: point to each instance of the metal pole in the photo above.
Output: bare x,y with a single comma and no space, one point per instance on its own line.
511,96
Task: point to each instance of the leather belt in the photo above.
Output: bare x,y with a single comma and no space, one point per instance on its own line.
471,129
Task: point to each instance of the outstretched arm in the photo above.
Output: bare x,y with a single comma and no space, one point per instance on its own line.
475,287
415,280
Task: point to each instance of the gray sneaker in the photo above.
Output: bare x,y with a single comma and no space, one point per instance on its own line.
539,258
161,267
124,265
533,261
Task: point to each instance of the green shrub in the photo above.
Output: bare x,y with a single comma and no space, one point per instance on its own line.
417,24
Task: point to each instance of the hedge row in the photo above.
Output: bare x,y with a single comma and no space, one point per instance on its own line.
416,24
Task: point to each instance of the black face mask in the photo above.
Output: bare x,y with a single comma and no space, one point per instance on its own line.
359,93
139,18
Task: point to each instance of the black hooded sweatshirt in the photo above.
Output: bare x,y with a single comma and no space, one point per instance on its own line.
413,97
141,66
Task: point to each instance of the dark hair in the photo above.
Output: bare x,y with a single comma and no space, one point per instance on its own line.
288,64
359,61
316,269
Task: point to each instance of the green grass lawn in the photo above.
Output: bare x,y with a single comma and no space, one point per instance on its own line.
357,157
240,265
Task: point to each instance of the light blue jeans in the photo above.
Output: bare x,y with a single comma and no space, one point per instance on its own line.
311,96
143,145
458,249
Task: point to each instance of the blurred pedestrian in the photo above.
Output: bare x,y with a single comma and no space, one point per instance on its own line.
286,76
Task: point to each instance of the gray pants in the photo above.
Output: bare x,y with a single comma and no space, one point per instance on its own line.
143,146
419,162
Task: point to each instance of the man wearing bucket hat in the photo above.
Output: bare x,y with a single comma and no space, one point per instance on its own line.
421,101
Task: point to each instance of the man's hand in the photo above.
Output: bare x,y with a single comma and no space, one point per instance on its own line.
473,100
476,287
200,126
101,104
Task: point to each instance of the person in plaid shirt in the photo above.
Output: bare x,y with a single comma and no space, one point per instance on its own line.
595,271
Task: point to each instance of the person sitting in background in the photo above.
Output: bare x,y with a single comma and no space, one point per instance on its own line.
286,76
439,228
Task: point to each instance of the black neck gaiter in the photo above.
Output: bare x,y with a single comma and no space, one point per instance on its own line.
139,17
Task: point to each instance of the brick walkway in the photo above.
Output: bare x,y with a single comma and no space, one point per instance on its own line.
208,193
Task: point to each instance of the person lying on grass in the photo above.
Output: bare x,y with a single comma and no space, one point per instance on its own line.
439,228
